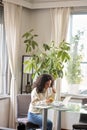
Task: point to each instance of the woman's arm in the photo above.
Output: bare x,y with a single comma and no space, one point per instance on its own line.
36,98
51,95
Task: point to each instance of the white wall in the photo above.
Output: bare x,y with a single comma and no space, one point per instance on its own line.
4,112
40,21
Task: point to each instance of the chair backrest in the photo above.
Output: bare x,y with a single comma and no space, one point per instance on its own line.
83,117
23,101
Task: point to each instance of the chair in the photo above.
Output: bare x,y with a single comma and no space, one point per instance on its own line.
82,125
23,101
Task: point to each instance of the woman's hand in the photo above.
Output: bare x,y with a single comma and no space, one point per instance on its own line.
49,100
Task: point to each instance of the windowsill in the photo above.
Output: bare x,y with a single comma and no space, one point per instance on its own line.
74,96
4,97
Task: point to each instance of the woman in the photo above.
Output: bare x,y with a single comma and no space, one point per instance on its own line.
42,93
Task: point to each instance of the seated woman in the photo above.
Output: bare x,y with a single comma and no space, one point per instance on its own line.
43,92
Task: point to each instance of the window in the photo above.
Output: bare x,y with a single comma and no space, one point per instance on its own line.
75,79
3,57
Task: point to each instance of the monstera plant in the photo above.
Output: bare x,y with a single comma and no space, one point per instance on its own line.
46,59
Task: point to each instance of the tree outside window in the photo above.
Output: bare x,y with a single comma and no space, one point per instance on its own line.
77,72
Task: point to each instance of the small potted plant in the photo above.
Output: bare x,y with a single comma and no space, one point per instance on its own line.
49,59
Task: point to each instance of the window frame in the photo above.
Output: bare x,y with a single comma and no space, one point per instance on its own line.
75,11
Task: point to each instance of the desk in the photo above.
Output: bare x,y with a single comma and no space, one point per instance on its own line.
75,107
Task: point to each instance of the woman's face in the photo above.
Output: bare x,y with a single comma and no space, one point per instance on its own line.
48,84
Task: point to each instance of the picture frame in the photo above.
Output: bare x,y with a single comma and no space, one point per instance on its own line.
26,76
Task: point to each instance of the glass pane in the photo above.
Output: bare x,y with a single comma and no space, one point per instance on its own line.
76,81
3,57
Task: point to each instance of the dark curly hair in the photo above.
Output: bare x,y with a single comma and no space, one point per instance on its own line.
40,82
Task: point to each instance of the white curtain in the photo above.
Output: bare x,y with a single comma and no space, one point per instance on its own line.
12,16
60,20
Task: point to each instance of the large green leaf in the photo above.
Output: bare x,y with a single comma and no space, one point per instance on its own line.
50,61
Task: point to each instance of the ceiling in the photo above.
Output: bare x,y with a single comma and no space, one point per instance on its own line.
33,4
41,4
37,1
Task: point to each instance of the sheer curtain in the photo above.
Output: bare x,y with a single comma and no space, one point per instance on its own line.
60,20
12,16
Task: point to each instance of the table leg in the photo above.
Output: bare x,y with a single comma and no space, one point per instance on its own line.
59,121
44,121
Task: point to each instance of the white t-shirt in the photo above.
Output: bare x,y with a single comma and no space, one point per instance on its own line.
39,98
